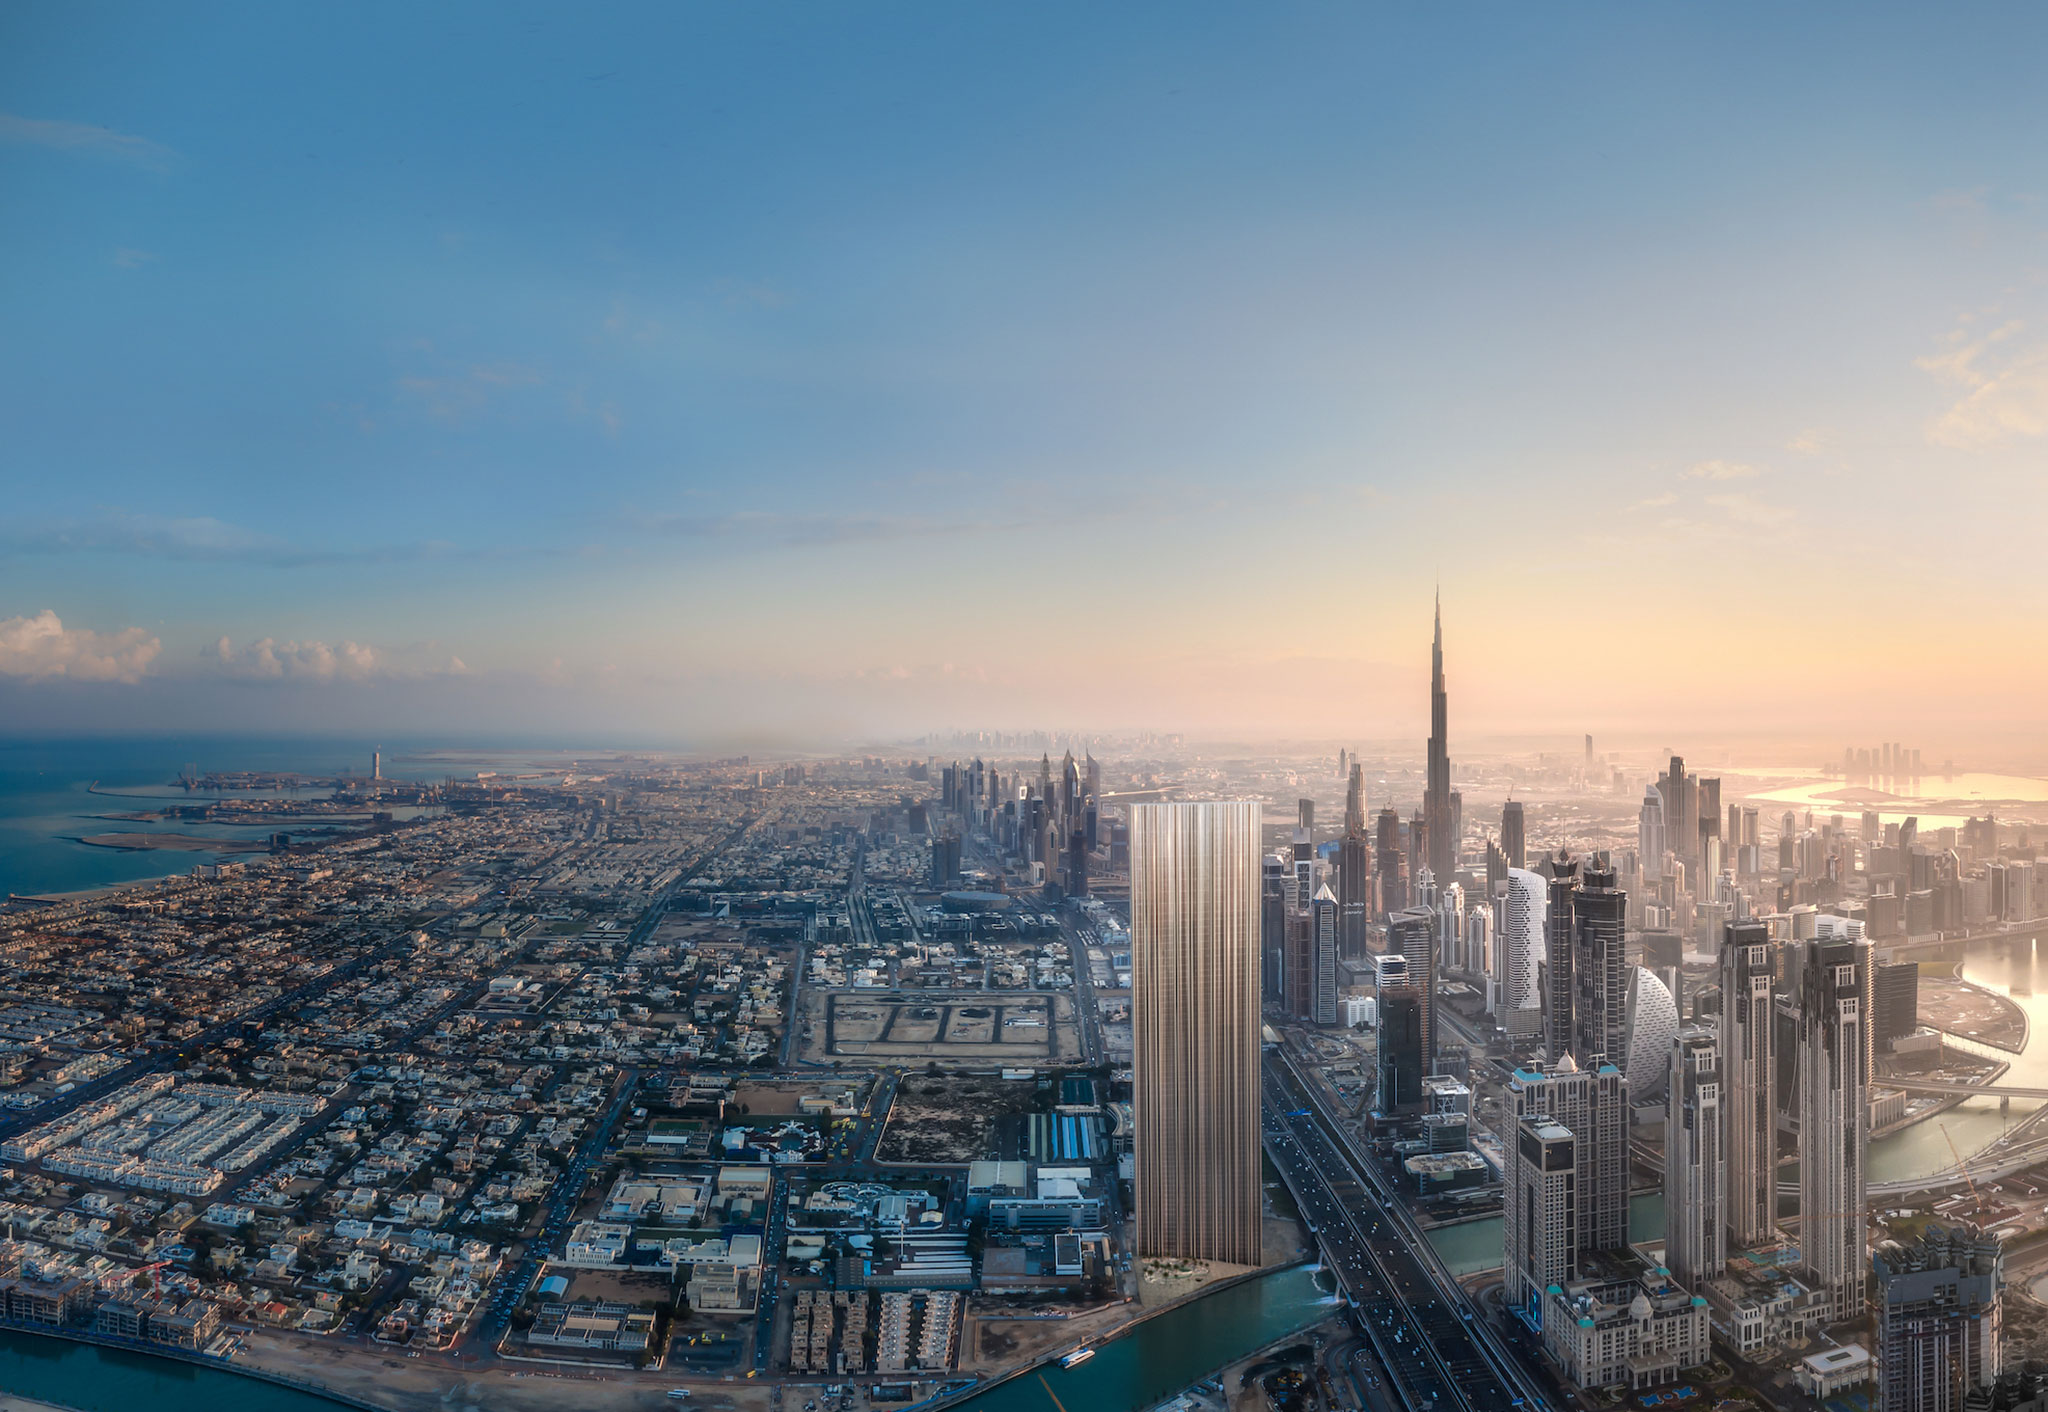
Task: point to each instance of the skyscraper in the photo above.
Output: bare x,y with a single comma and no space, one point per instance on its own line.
1749,1075
1323,928
1593,1105
1400,1046
1436,798
1834,1118
1539,1213
1513,836
1939,1326
1387,864
1695,1230
1600,970
1195,1029
1354,873
1354,895
1412,932
1354,802
1559,942
1521,941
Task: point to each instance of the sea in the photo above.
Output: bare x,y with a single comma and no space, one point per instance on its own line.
55,792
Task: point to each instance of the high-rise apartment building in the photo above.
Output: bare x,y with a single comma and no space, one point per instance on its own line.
1834,1119
1323,932
1387,862
1354,895
1412,932
1437,805
1600,969
1895,999
1749,1075
1939,1328
1195,1029
1539,1211
1513,832
1695,1225
1523,912
1650,831
1593,1105
1559,940
1401,1011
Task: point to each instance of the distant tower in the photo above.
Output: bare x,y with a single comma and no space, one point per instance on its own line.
1513,833
1436,799
1749,1077
1195,1029
376,764
1834,1118
1696,1235
1354,802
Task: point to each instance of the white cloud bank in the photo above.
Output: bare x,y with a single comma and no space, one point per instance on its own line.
267,658
42,646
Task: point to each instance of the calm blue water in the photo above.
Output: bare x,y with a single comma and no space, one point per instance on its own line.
44,804
93,1379
1167,1354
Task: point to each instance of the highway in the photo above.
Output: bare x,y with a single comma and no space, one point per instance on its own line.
1402,1289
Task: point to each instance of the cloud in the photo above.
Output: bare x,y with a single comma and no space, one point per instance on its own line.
314,661
268,659
58,136
43,647
1722,470
1656,501
2006,388
129,259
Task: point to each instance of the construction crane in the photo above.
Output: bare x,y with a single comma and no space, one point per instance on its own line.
1976,1201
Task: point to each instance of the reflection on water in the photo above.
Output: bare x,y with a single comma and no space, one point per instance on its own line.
2014,969
1173,1350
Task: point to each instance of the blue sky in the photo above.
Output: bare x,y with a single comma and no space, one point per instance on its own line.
692,370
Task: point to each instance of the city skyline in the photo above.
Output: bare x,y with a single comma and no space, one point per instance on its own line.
578,391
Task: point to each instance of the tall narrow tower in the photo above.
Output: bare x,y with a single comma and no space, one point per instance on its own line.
1749,1079
1195,1029
1354,873
1834,1119
1696,1235
1436,799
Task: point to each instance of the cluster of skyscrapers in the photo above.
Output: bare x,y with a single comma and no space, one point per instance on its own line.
1053,824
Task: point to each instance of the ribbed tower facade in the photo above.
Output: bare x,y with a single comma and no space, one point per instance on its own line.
1195,1029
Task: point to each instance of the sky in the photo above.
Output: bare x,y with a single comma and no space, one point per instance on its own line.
710,372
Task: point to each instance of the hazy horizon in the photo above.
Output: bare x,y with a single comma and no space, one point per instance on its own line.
728,375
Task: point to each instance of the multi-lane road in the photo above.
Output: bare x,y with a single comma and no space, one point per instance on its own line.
1438,1352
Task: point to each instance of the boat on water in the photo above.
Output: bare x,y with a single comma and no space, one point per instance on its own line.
1078,1356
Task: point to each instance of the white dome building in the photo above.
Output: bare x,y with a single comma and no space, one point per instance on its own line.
1652,1025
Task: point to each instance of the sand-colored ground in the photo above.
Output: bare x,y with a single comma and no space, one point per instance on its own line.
438,1383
